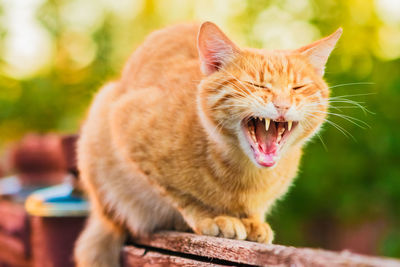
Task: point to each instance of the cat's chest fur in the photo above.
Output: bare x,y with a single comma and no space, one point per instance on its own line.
181,158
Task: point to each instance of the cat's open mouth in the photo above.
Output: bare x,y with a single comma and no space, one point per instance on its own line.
266,138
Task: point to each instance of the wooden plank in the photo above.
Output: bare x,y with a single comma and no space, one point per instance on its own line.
133,256
258,254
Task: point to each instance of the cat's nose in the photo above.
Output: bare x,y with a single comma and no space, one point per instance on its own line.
282,108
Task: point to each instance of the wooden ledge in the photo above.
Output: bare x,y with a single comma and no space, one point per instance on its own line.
185,249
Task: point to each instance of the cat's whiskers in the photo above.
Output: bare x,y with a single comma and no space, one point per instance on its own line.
313,111
338,127
360,123
240,82
342,100
313,106
247,92
238,97
308,126
229,82
347,84
355,103
229,106
322,141
353,95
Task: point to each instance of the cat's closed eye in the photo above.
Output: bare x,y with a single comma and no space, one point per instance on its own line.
297,87
258,85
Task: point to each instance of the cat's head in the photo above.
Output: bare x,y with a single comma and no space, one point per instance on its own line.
261,101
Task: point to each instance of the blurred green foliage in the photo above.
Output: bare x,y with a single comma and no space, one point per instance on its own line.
340,188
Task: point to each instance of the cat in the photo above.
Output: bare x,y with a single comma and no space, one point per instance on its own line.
197,135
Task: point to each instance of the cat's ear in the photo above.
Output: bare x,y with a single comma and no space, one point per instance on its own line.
319,51
215,48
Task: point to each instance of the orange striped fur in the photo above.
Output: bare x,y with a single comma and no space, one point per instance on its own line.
162,149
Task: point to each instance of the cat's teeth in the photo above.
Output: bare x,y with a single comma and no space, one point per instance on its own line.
267,121
289,125
253,136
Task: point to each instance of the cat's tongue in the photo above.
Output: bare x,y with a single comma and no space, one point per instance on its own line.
267,142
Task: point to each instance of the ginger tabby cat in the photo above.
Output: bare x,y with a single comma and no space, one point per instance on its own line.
197,134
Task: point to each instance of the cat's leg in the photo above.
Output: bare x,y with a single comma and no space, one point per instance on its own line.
206,223
99,244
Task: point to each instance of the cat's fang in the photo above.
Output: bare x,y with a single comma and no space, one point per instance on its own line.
289,123
267,122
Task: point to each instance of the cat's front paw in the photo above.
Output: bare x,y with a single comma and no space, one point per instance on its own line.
235,228
223,226
258,231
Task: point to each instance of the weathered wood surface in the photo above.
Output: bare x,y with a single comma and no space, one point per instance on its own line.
250,253
133,256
